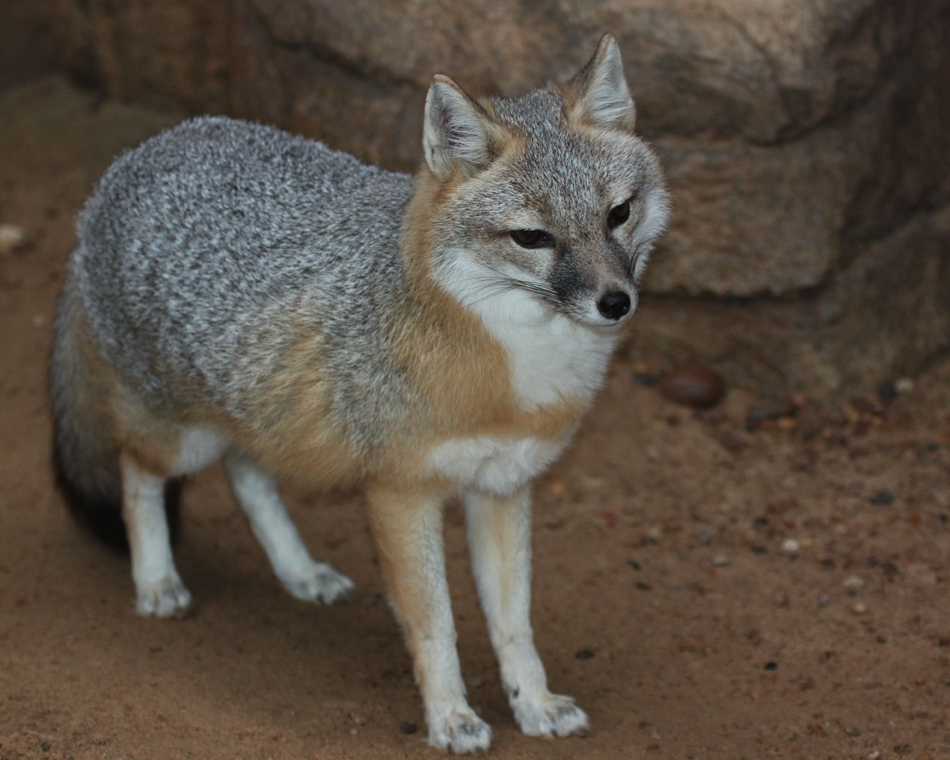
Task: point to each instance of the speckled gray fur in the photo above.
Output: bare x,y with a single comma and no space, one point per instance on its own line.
205,238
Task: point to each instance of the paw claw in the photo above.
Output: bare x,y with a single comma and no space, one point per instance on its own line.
551,715
320,583
459,732
166,598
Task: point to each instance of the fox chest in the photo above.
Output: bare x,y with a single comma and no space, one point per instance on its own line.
494,465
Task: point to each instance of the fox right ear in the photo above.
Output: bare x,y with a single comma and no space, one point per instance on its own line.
456,129
600,93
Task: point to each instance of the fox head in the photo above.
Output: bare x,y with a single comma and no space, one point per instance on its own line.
547,200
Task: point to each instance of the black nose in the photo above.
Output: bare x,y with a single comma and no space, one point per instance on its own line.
614,304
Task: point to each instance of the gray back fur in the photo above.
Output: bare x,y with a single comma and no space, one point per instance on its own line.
200,244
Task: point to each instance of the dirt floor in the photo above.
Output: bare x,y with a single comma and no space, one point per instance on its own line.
706,592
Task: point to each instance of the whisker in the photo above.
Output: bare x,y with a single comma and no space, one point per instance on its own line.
505,283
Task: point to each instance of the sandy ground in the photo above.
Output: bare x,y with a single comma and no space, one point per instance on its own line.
705,592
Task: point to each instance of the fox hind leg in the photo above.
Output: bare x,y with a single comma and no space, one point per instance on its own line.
159,590
499,534
303,577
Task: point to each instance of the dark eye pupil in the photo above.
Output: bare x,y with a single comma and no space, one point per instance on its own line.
618,214
529,238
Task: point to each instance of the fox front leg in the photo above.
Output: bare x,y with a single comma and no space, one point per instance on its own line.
407,527
499,535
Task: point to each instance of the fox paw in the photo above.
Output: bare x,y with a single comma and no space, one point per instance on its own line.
552,715
166,597
319,583
459,732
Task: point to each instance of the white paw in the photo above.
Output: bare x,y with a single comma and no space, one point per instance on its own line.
319,583
459,731
551,715
166,597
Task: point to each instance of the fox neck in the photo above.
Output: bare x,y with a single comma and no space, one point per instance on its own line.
545,359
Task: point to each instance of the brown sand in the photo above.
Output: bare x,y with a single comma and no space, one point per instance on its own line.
664,599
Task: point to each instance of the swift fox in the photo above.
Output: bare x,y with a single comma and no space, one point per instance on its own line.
238,293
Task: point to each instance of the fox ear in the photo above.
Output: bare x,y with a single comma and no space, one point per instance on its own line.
601,95
456,129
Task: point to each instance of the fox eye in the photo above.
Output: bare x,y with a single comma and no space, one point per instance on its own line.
532,238
618,215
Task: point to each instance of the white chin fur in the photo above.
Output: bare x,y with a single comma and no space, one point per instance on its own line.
552,357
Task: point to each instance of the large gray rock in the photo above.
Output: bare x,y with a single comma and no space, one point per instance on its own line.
802,139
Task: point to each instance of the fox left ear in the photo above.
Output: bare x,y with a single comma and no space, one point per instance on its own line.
456,129
600,93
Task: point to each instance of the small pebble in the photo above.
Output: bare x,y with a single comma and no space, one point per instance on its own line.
875,755
790,546
886,392
787,424
859,608
904,385
720,561
692,384
769,408
771,666
645,379
853,582
11,237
